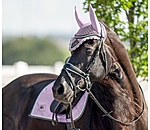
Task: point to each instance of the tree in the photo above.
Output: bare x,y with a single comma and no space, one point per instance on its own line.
34,51
134,30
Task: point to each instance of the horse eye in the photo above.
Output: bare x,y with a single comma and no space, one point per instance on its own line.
88,51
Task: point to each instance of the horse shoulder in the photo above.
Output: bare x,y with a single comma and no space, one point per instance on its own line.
16,95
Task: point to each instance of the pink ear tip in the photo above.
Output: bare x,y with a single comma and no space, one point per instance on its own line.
90,7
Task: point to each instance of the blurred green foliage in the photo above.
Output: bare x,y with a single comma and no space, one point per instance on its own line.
34,51
134,29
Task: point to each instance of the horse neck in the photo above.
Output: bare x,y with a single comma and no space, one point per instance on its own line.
122,96
114,96
121,57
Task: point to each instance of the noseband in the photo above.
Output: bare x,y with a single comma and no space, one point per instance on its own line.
68,67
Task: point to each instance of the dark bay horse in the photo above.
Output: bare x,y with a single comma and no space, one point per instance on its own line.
99,64
113,83
118,91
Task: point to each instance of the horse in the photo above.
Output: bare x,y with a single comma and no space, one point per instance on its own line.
99,64
109,77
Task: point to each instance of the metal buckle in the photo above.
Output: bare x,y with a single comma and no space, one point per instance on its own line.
78,86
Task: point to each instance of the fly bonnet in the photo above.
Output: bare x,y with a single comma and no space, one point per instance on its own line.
90,30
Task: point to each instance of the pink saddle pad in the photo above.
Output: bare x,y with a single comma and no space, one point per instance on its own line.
41,108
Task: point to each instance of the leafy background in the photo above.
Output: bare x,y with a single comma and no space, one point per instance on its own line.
133,30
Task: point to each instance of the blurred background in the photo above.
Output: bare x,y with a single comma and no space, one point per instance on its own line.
36,36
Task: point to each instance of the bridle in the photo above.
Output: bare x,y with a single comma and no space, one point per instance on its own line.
68,67
85,75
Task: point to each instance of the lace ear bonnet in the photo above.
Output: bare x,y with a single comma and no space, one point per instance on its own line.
90,30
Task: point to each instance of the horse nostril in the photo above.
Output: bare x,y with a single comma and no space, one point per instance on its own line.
60,89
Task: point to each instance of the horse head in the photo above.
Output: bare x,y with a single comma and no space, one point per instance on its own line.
97,55
90,58
100,65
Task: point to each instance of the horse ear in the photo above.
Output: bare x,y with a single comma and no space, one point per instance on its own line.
79,19
116,72
94,20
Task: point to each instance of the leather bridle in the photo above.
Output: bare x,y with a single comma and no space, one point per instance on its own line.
68,67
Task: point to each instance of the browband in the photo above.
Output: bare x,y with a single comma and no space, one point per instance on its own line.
87,35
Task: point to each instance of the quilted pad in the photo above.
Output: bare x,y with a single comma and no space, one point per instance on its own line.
41,108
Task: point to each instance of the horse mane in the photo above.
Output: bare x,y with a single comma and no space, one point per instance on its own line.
119,91
121,55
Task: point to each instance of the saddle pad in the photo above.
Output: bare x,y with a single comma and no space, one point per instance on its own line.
41,108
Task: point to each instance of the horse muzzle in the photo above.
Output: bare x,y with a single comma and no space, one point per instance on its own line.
62,91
